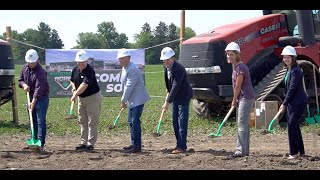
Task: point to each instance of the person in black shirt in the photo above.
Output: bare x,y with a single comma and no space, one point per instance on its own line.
85,87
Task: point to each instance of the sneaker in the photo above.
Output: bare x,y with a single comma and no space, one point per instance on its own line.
178,151
292,156
127,147
25,147
89,147
235,155
81,147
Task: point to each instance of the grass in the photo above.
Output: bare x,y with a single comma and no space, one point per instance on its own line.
59,107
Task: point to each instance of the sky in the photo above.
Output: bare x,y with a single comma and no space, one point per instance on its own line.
69,23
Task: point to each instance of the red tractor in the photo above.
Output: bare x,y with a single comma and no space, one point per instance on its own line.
261,40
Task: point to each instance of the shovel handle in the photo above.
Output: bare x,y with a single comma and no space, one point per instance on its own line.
160,121
30,114
273,120
277,115
71,108
228,115
162,113
223,122
120,111
316,88
118,117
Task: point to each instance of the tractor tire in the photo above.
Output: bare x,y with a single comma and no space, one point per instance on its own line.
201,108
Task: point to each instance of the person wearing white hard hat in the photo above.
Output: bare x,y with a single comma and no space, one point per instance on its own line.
179,94
33,79
243,98
295,101
85,87
134,97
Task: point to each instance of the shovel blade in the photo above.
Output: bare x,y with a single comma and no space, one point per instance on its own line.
70,117
34,143
217,135
214,135
317,118
156,134
310,120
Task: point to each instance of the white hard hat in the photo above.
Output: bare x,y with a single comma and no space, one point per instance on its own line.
289,51
81,56
123,53
31,56
166,53
233,47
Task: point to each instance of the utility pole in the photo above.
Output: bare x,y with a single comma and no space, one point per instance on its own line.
14,96
182,27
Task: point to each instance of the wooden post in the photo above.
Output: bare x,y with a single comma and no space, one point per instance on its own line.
182,27
14,98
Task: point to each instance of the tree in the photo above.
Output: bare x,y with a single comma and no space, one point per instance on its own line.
160,34
114,39
145,39
55,41
47,38
44,37
172,35
189,33
91,41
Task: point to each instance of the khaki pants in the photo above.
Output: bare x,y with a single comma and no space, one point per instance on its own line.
89,109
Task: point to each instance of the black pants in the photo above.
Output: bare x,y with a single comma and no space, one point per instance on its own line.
294,114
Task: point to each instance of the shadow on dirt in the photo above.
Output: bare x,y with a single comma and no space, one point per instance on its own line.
222,152
37,154
102,151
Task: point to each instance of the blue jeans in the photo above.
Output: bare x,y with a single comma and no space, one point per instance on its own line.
134,115
180,116
39,115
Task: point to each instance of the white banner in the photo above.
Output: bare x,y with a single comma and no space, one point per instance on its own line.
60,62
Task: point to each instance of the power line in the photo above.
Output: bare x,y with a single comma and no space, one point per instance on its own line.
162,44
17,41
150,47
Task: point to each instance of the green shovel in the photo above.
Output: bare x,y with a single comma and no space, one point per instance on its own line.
316,117
223,122
157,133
32,142
116,120
309,119
270,129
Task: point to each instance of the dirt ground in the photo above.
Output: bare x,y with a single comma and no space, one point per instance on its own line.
266,152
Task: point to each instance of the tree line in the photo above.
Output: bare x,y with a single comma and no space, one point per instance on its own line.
106,37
